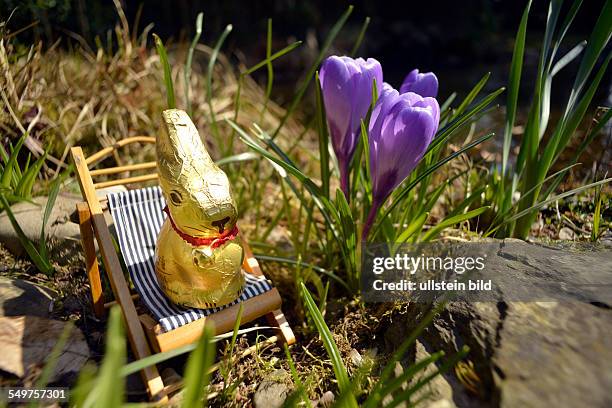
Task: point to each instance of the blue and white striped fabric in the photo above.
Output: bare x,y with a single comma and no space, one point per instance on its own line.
138,217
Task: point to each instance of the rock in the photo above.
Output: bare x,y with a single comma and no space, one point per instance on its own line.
27,341
273,390
19,297
29,216
566,234
538,352
327,400
356,358
438,392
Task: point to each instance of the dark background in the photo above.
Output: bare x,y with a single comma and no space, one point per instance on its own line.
459,40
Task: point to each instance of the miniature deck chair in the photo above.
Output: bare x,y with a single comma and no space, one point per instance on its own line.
137,214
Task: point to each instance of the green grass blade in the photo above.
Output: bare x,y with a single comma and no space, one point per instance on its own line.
209,76
11,164
376,395
41,263
360,36
192,46
600,36
472,94
27,180
109,388
513,86
310,74
51,362
315,268
273,57
403,378
197,371
323,138
449,221
405,395
328,341
163,58
269,66
447,131
548,201
53,192
566,59
414,227
300,390
236,329
237,158
596,215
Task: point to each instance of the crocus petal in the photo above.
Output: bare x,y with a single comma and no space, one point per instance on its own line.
403,129
425,84
337,90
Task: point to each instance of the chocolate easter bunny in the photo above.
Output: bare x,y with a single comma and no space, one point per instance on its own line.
198,255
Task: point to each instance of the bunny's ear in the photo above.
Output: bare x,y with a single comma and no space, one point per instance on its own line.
179,145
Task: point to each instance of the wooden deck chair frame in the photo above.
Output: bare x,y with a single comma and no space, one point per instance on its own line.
144,333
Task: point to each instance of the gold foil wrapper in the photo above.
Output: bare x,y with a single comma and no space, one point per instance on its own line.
201,206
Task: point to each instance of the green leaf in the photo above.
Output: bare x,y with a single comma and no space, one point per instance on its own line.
11,164
209,76
41,263
329,343
197,371
273,57
449,221
404,396
55,186
29,176
514,82
323,138
364,28
300,390
109,388
310,74
377,393
163,57
597,42
315,268
414,227
548,201
472,94
192,46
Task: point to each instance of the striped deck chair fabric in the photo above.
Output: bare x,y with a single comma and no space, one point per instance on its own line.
138,217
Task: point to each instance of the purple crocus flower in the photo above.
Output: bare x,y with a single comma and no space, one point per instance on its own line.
425,84
346,84
401,128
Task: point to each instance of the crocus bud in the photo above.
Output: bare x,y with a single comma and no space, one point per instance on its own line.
401,128
346,85
425,84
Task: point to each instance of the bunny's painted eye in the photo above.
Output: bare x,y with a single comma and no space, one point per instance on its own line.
176,197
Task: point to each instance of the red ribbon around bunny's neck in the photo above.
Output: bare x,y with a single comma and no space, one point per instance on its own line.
214,242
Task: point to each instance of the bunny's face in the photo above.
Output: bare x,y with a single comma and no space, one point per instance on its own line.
197,191
202,207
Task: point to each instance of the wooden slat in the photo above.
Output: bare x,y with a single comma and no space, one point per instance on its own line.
223,321
250,264
91,260
120,143
121,169
108,305
127,180
119,285
277,318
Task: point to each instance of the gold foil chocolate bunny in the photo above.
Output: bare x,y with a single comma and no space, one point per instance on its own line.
198,255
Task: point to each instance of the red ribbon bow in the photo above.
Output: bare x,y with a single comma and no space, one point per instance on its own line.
196,241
